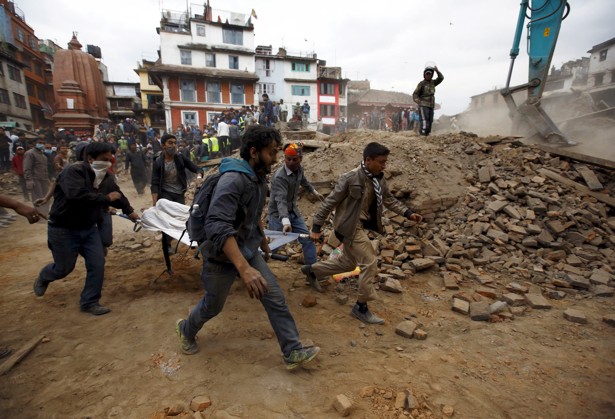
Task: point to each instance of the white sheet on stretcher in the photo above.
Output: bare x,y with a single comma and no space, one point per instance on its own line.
170,218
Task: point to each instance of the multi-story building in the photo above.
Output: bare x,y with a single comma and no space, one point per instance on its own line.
206,64
601,80
14,105
332,97
152,100
123,100
289,76
39,94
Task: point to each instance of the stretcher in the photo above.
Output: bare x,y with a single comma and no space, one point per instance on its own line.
170,218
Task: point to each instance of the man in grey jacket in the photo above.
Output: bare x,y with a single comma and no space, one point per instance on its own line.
233,234
358,199
36,173
284,214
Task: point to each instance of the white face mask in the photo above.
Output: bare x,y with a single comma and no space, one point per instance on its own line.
100,169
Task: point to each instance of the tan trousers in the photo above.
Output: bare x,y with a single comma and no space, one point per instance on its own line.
359,253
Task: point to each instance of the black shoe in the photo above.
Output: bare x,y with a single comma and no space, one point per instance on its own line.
40,287
95,309
311,278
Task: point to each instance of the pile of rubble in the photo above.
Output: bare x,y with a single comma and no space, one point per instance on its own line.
515,224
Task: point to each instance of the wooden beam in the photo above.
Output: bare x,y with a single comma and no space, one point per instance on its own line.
19,355
564,152
607,199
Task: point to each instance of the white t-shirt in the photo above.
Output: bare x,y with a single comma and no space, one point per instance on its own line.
223,129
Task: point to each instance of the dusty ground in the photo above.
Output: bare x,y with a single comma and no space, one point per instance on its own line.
127,364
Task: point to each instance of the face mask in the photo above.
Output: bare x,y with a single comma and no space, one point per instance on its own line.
100,169
40,146
47,151
171,150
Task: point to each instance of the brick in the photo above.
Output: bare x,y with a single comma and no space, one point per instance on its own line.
480,311
556,295
402,256
497,235
575,316
600,277
516,288
461,306
367,391
341,299
537,301
603,291
512,212
451,280
487,292
513,300
421,264
497,206
391,285
387,253
578,281
309,301
406,328
484,174
420,334
200,403
413,248
342,404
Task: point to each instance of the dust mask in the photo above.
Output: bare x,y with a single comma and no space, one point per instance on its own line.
100,169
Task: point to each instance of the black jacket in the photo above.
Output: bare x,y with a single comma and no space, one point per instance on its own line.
181,163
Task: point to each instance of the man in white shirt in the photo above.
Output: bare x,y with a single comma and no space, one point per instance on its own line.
223,134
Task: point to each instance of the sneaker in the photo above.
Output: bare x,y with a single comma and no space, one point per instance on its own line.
96,309
310,278
187,345
300,357
40,287
368,317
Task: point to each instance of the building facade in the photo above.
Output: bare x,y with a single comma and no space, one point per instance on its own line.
332,97
123,100
152,100
14,105
206,65
601,79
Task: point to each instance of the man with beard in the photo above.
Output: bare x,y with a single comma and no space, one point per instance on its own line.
72,231
233,234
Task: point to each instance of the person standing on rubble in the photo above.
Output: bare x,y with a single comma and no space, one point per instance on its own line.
424,96
359,199
233,234
284,213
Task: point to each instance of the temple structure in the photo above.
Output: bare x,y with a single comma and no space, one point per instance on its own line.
79,90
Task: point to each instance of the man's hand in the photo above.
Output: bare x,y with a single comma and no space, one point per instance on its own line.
315,236
41,201
266,249
114,196
28,212
134,216
417,218
318,195
287,228
254,282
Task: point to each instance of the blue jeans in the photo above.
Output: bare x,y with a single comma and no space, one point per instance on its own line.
65,246
217,279
299,227
105,228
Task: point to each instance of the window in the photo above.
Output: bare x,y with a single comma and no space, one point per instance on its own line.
41,94
150,81
213,92
232,36
237,94
190,118
327,110
14,73
603,54
210,59
33,42
300,90
598,79
20,101
155,102
341,88
188,93
327,88
31,89
268,88
26,61
4,96
38,68
200,30
20,35
186,57
233,62
304,67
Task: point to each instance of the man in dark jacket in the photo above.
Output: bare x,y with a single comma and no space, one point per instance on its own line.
135,160
169,179
231,248
424,96
72,230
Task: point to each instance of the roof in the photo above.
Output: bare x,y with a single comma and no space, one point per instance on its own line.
375,97
203,71
602,45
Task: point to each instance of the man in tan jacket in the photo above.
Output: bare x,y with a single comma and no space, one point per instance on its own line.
358,199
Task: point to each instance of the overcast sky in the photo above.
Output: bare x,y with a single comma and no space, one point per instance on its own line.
387,41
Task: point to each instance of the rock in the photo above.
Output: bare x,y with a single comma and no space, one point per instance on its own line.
513,300
421,264
487,292
391,285
401,400
200,403
367,392
420,334
406,329
309,301
575,316
537,301
175,409
609,319
342,404
387,254
556,295
497,307
461,306
198,415
603,291
451,280
578,281
480,311
448,411
341,299
402,256
516,288
600,277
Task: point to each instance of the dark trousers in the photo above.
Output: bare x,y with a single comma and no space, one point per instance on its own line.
65,245
224,145
426,115
5,159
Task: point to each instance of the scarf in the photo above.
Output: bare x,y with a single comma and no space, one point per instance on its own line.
375,182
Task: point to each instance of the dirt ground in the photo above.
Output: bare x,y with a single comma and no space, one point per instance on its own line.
127,364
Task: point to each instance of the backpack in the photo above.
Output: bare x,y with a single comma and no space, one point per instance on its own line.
195,225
